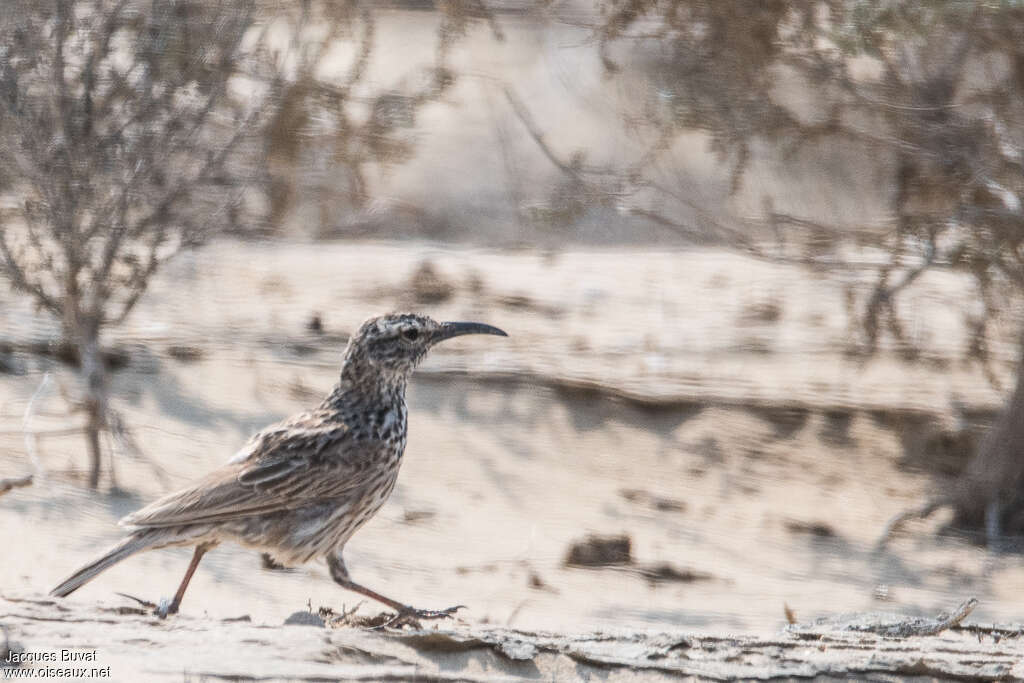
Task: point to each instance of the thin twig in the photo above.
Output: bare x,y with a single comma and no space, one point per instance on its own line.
14,483
925,627
144,603
902,518
31,445
65,431
954,619
123,437
523,114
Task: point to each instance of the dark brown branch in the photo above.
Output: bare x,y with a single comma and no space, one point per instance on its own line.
7,484
523,114
20,280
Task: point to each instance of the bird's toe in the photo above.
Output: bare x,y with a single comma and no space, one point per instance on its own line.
165,608
410,616
439,613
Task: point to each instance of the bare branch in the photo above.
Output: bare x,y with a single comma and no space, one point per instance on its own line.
523,114
31,446
129,131
20,279
7,484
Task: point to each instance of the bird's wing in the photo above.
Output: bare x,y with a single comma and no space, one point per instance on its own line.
287,466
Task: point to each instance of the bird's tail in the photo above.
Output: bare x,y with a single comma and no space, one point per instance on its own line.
137,542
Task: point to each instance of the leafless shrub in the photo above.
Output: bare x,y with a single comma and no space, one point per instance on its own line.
940,109
124,131
131,130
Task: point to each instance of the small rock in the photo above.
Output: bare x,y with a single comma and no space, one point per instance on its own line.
537,583
315,324
185,354
633,495
242,619
658,573
659,503
600,551
415,516
819,529
520,301
669,505
303,618
761,312
518,650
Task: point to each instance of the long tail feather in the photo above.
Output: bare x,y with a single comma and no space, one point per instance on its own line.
137,542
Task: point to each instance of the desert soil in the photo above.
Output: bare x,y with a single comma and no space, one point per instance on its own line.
116,639
701,403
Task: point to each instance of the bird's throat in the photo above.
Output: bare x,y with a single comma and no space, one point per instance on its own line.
364,387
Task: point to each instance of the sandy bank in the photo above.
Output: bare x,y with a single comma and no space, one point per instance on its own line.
134,645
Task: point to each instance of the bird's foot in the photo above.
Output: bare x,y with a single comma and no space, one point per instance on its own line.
164,608
410,616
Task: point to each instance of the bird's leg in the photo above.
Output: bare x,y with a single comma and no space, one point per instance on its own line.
164,609
405,612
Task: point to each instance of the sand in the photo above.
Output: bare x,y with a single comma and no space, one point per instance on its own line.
702,403
117,644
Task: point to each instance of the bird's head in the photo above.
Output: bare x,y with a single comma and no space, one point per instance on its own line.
389,347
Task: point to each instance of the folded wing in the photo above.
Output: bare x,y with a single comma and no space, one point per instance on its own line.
290,465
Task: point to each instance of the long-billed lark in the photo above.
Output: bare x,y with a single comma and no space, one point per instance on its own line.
299,489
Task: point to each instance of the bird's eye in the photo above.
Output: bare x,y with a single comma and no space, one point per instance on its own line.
411,334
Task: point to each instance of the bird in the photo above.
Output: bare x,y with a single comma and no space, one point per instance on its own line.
300,488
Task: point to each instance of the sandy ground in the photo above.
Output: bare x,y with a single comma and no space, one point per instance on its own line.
701,403
112,639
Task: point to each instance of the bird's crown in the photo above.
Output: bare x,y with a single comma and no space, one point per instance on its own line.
387,348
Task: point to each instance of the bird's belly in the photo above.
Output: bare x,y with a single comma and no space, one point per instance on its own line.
296,536
364,507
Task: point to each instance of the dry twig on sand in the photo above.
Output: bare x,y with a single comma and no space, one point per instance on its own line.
897,522
134,642
14,483
926,627
886,625
30,443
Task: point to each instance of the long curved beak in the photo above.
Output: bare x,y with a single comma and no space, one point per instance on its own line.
449,330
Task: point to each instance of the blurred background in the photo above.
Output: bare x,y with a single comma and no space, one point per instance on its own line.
760,265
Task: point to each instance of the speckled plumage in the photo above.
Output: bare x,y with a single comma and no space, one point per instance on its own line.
299,489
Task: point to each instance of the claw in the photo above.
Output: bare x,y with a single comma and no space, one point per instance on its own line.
161,610
410,616
437,613
164,608
144,603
